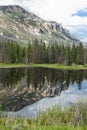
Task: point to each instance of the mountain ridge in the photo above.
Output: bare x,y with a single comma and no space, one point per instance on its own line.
18,24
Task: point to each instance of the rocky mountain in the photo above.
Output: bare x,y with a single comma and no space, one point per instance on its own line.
20,25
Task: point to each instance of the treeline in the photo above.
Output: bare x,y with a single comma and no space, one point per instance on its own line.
11,52
39,52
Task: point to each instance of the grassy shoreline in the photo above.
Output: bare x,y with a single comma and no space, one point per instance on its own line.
72,118
54,66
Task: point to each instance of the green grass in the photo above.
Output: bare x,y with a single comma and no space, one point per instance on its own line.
72,118
55,66
26,124
43,128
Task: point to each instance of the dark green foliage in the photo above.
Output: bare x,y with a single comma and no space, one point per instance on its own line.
73,53
29,52
80,54
39,52
85,56
68,56
12,53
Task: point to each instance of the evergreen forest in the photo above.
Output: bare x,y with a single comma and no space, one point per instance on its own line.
40,52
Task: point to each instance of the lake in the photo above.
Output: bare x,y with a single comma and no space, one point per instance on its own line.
24,92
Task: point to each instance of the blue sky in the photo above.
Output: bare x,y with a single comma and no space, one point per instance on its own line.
71,13
81,13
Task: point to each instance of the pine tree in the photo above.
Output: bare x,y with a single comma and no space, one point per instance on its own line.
80,54
35,52
68,56
73,53
29,52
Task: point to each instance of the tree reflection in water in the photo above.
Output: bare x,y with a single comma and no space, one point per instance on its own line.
23,86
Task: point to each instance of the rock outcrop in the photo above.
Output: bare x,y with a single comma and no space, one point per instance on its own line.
23,25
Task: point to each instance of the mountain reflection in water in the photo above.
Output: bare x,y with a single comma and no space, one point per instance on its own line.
24,86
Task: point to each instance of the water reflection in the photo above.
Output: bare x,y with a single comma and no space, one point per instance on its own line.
22,87
10,77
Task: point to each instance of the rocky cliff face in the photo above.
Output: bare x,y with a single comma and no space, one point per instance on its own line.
18,24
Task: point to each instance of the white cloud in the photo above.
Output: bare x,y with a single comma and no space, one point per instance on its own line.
59,10
56,10
7,2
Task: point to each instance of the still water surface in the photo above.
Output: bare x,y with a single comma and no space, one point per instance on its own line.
26,88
